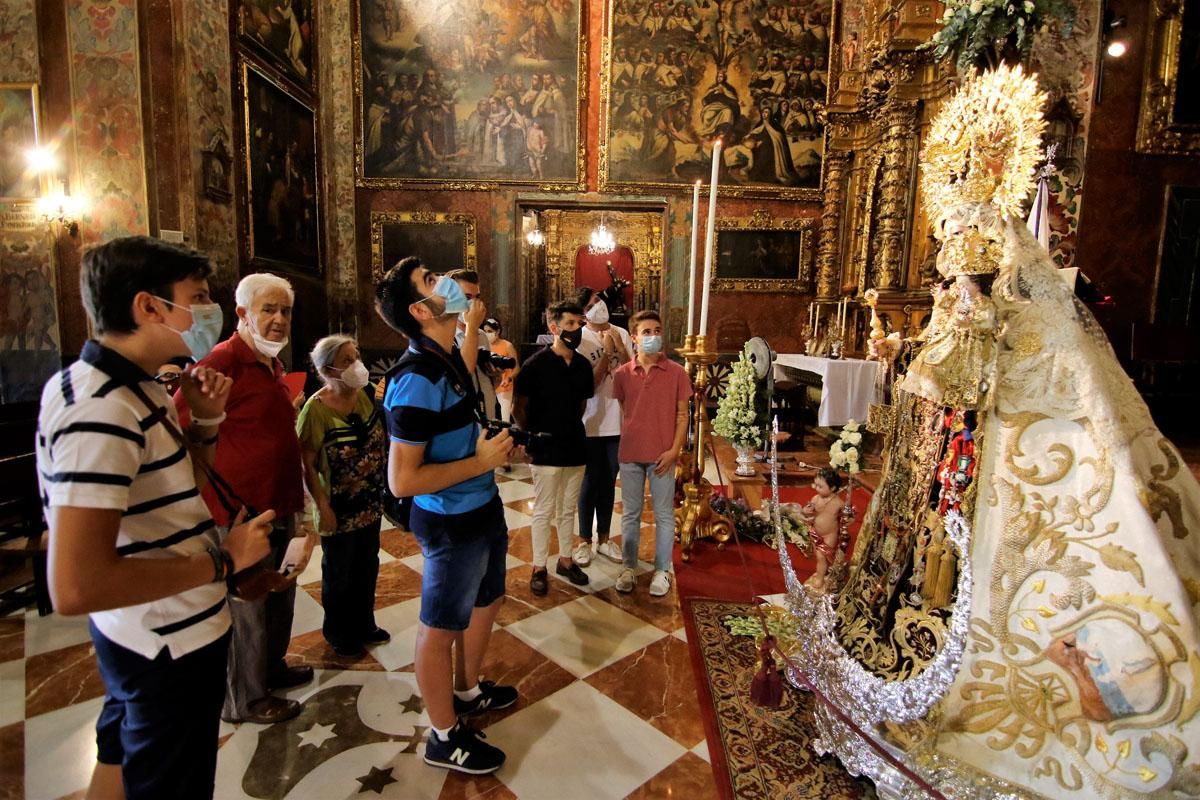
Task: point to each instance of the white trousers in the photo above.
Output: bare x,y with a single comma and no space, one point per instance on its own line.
555,502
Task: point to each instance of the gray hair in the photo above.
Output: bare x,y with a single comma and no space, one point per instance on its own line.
324,352
251,286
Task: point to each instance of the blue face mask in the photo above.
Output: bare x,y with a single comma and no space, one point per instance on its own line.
207,320
448,289
650,345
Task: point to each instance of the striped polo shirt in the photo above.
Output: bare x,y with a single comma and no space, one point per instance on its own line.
99,446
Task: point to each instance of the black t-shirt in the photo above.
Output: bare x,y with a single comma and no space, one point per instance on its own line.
556,391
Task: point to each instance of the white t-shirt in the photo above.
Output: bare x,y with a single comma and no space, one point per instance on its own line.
602,417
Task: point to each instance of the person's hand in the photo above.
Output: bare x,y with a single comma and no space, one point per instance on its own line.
310,543
247,541
610,343
327,521
476,313
665,461
298,402
493,452
205,391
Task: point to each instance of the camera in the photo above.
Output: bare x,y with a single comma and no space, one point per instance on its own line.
520,436
501,362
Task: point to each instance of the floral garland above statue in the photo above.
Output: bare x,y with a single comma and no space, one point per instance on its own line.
846,451
988,32
737,417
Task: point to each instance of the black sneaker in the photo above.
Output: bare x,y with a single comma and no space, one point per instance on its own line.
378,636
463,751
490,698
572,573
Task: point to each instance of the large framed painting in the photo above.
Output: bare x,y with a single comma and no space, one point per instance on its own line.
469,95
443,241
676,77
284,31
1169,118
18,133
284,224
763,254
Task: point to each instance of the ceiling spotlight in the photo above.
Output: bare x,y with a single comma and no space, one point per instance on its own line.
1116,48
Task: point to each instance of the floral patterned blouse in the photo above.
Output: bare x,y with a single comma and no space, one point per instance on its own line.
351,458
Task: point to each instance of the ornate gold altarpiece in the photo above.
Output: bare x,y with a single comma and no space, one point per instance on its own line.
874,234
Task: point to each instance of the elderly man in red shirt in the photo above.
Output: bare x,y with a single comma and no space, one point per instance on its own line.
258,455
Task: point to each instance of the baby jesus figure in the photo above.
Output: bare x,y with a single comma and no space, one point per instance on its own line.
823,514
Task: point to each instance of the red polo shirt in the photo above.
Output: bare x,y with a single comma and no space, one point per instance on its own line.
649,399
257,452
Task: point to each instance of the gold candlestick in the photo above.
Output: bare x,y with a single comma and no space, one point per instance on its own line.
695,519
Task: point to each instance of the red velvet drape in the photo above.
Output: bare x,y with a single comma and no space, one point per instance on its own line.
592,271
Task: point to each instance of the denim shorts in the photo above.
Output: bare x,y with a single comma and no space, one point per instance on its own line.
465,562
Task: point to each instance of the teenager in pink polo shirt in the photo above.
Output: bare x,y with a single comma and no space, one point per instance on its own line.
653,392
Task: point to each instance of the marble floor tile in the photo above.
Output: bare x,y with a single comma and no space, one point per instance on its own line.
400,620
680,634
12,692
309,615
53,632
474,787
656,683
12,761
60,750
662,612
538,741
689,777
702,751
398,543
12,637
517,588
397,582
515,490
516,518
585,635
313,650
311,576
61,678
511,662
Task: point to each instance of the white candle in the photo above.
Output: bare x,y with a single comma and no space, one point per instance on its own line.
691,328
710,238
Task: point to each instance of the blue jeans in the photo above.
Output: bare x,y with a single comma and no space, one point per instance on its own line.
662,498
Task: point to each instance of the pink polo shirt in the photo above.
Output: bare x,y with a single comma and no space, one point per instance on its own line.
649,400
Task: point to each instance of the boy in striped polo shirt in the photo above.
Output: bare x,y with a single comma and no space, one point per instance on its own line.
131,541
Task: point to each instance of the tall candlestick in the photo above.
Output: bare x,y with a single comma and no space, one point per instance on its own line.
710,238
691,328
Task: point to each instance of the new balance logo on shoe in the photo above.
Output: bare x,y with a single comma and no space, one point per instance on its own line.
463,751
460,756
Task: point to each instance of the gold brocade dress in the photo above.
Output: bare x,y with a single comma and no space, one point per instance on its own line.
952,369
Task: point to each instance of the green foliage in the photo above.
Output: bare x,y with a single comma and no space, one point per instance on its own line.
737,416
980,28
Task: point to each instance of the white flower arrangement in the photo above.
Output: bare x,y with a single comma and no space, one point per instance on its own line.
974,27
793,526
736,418
846,451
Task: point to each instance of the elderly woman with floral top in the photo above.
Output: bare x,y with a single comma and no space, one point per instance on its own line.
344,446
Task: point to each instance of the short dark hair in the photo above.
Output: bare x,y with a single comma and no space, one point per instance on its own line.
642,316
464,275
558,310
832,478
395,292
583,294
113,273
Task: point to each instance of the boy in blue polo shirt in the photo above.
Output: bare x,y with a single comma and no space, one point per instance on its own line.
440,459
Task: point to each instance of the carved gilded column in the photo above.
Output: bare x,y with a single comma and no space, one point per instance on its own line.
894,185
829,250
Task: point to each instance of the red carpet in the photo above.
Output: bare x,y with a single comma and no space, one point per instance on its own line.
744,570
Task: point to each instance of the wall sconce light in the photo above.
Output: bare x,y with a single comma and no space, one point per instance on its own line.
535,238
1110,45
60,207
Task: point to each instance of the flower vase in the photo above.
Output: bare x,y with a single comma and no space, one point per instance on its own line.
745,461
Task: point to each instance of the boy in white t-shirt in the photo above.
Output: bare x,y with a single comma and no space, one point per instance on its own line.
606,346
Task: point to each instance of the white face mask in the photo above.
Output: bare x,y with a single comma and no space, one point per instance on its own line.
597,314
491,336
263,345
356,376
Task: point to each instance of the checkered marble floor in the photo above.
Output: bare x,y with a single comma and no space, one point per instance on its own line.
607,707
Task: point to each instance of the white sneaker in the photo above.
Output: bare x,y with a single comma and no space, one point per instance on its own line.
582,554
625,581
660,584
610,550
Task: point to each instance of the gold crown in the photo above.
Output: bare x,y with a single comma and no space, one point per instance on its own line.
970,252
984,145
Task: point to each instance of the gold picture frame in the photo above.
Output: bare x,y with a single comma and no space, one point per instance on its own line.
1160,130
614,99
20,109
762,254
467,180
428,234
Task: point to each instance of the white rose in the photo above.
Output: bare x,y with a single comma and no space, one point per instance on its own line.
1028,6
854,438
852,455
976,6
855,468
851,425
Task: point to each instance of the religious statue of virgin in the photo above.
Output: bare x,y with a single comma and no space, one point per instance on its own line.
1020,616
